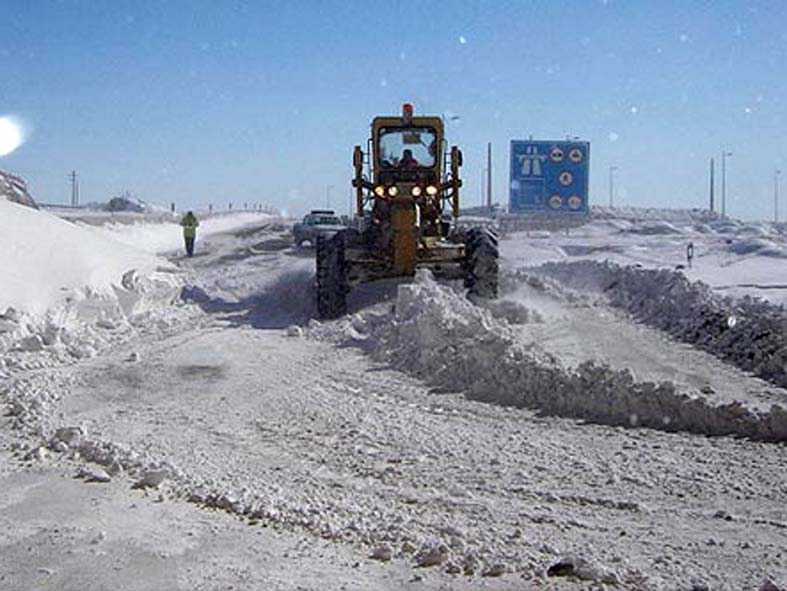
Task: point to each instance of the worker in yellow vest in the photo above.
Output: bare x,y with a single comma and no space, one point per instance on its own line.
189,223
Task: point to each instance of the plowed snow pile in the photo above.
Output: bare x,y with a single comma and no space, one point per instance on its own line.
747,332
437,334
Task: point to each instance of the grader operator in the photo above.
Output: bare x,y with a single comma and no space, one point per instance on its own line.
407,209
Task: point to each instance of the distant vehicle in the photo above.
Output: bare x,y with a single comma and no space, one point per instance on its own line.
319,222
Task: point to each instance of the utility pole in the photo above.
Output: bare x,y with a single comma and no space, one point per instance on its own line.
711,186
724,156
612,170
489,175
776,174
74,189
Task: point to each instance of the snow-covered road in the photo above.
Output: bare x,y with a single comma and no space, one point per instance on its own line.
311,437
327,432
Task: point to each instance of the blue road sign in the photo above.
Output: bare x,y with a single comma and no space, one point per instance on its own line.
549,177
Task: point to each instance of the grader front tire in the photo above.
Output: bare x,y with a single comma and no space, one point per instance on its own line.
331,277
481,266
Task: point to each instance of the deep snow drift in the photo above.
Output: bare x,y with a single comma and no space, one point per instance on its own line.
48,259
69,292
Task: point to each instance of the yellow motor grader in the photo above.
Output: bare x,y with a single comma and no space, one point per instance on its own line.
407,210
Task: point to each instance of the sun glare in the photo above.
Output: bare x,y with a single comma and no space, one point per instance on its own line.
11,135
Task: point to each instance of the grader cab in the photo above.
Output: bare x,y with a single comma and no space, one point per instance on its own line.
407,210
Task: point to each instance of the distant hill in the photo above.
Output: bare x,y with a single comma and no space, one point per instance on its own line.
14,188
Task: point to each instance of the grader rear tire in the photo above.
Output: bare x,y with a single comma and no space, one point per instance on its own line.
481,263
331,276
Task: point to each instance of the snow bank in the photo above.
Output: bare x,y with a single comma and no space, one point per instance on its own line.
728,226
675,216
748,333
759,246
47,257
61,283
440,336
660,228
163,236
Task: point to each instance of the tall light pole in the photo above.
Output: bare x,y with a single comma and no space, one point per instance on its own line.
612,170
328,196
724,156
776,174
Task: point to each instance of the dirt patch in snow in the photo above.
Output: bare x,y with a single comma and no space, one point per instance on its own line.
201,372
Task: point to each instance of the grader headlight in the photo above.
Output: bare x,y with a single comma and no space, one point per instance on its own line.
379,190
431,190
416,191
393,191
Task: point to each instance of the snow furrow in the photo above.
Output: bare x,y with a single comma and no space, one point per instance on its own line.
748,333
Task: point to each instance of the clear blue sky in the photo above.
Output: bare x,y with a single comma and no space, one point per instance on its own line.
196,102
